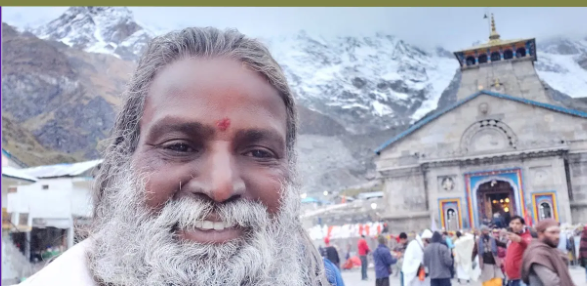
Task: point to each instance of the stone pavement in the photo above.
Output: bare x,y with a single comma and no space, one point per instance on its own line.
353,278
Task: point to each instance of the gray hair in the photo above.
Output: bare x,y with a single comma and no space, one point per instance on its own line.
164,50
382,239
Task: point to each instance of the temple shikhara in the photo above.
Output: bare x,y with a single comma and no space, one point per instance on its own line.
504,148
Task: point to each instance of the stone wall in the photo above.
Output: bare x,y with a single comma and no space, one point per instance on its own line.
543,174
517,77
404,192
538,175
458,134
577,172
414,224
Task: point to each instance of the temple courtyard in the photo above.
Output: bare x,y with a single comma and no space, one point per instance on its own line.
353,278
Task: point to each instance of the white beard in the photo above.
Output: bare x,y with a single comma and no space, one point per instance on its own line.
136,247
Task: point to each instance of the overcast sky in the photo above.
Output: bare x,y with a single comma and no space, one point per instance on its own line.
452,28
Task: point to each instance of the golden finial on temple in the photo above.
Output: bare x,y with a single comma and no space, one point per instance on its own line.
494,36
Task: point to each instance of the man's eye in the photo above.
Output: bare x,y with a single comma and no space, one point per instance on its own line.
179,147
261,154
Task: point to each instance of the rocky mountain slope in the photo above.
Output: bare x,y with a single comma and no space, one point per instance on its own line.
63,96
62,81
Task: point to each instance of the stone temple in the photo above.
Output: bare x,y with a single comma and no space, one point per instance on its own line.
504,147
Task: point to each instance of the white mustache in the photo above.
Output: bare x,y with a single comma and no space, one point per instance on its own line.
190,213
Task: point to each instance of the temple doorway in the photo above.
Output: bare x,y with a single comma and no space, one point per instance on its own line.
496,203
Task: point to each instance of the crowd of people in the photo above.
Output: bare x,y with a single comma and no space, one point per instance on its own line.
514,254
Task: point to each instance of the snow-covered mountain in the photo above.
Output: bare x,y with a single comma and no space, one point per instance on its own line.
109,30
562,64
365,83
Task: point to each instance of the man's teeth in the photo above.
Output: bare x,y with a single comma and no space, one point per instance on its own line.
208,225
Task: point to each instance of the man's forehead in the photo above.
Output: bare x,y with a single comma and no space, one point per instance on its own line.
216,91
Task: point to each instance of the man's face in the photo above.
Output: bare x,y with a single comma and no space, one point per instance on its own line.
496,233
402,240
207,198
485,232
551,236
516,225
212,130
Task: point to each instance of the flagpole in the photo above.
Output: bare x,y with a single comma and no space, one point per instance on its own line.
488,17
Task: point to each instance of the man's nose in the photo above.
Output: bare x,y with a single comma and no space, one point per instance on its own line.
222,179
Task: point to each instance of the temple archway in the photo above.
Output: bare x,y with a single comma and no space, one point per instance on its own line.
488,135
482,59
495,56
521,52
496,202
507,54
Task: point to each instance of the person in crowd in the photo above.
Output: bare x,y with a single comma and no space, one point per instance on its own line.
519,238
563,244
363,250
437,260
499,221
448,241
383,261
488,258
399,250
543,264
464,246
412,266
332,254
198,185
501,236
322,251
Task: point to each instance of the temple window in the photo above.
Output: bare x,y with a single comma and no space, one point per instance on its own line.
470,61
545,211
507,54
495,56
482,59
521,52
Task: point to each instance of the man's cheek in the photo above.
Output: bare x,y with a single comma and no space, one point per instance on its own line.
157,192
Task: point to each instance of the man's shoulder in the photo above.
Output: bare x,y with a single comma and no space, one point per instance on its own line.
69,269
332,273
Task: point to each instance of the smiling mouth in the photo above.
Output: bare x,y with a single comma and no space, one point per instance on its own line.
209,231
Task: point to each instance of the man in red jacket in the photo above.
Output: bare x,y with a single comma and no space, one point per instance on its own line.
519,238
363,249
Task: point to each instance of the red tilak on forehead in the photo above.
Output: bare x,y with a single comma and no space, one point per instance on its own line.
223,124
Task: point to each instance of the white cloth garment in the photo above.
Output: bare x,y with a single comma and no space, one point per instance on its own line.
413,258
69,269
476,272
464,247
